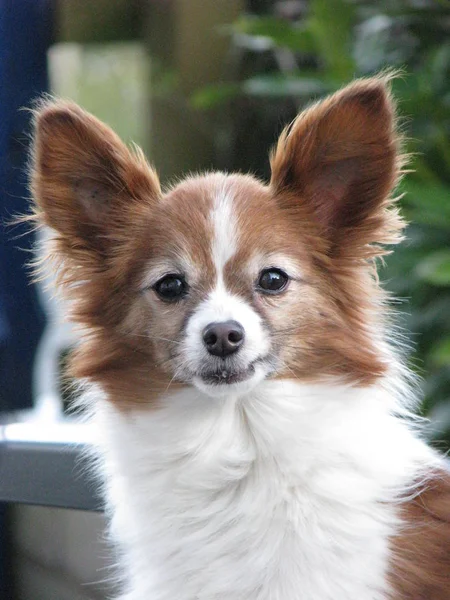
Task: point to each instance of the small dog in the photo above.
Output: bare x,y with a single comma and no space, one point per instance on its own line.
256,437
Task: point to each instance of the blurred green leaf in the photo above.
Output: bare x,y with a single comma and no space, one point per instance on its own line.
214,95
262,86
331,24
440,66
279,32
275,86
427,203
440,353
435,268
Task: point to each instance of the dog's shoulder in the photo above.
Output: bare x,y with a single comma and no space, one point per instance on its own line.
421,550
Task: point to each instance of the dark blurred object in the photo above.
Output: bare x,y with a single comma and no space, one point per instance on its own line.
25,34
100,21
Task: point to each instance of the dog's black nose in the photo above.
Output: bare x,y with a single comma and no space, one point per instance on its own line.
222,339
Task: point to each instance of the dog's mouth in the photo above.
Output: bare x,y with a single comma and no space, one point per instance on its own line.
224,375
227,376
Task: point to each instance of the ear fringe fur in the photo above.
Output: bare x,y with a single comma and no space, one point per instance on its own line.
385,226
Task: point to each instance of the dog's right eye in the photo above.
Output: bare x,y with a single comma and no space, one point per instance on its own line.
272,281
171,288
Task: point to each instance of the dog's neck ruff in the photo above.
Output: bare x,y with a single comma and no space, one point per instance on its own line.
289,493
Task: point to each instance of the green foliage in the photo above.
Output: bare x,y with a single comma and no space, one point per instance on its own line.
435,268
278,33
284,63
330,23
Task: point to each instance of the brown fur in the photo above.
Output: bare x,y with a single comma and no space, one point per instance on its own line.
420,568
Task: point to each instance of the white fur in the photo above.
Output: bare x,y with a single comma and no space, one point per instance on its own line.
285,493
224,224
219,306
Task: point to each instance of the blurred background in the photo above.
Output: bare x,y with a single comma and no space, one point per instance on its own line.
203,84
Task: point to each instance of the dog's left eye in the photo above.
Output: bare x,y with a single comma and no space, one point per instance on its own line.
171,288
273,281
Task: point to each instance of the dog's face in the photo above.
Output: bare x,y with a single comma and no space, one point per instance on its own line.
222,281
225,283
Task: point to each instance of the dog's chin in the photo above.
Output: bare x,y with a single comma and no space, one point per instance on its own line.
226,382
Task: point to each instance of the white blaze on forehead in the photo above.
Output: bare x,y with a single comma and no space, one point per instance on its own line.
220,304
223,218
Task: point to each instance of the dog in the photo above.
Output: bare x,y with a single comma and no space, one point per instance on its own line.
256,436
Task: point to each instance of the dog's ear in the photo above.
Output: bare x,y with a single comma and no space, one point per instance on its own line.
83,178
339,161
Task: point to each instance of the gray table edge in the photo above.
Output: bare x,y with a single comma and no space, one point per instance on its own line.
46,469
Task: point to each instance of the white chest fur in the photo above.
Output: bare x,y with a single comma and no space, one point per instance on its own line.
287,494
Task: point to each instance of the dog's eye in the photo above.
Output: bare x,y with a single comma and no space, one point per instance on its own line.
171,288
272,281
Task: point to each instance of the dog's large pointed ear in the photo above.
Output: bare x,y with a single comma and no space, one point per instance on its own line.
84,179
339,162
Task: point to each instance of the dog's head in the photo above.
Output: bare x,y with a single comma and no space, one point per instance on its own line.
222,281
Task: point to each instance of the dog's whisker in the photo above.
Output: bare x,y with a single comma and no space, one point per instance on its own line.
169,384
